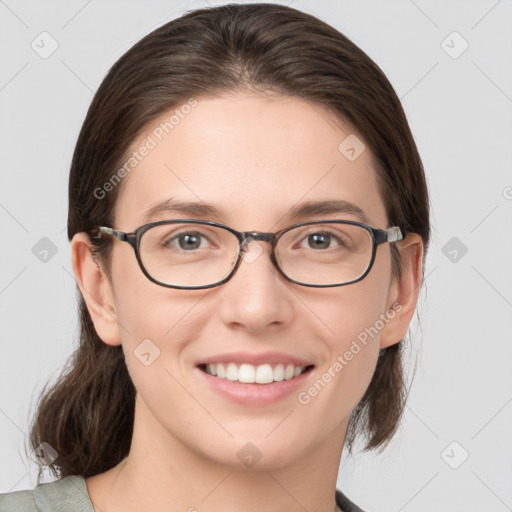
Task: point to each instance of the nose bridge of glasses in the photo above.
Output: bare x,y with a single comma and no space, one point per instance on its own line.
249,236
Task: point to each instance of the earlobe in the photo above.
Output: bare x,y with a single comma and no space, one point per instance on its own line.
96,290
405,290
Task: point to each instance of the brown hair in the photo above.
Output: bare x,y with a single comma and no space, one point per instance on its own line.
87,414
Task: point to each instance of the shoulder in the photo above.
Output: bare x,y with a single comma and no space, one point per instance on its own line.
68,494
345,504
17,501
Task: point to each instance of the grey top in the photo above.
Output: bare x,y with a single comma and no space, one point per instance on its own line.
66,495
70,495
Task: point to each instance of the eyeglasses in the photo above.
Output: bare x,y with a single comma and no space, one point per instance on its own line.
193,254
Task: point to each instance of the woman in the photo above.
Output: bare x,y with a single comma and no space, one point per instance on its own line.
249,218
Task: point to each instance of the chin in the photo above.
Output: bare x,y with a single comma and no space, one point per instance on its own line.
255,453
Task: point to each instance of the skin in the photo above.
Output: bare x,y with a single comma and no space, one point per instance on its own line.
236,151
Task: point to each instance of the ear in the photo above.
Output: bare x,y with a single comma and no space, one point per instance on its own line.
96,289
405,290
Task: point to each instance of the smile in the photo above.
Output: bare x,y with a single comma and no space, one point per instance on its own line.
251,374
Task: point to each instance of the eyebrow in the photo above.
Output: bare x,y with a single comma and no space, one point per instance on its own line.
328,207
300,211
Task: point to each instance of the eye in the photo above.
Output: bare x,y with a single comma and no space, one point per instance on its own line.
186,241
323,240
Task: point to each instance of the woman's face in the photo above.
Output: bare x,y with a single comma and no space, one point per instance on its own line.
253,158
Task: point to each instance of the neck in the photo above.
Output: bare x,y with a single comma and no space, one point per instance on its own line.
163,473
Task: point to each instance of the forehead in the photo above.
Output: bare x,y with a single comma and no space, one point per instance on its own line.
254,157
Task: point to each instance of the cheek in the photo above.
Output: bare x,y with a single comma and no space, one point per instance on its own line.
165,318
354,312
158,330
339,384
151,318
354,317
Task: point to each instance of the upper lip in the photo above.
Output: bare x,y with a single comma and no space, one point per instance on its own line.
255,359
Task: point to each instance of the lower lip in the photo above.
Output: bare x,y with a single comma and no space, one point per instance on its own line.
254,394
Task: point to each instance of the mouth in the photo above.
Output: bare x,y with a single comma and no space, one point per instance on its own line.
255,379
251,374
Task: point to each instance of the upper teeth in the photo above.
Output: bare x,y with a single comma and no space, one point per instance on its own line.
248,373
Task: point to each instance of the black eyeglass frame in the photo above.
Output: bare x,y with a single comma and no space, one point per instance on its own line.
379,236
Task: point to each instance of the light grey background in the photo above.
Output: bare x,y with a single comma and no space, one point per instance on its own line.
460,112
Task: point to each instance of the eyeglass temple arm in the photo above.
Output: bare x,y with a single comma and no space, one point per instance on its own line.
394,234
109,231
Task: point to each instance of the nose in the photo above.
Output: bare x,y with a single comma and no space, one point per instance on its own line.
257,297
